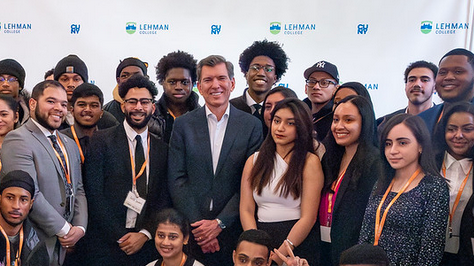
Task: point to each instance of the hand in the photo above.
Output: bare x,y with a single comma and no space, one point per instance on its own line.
205,231
131,243
69,240
211,247
291,260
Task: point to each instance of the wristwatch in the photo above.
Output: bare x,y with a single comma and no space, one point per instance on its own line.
221,224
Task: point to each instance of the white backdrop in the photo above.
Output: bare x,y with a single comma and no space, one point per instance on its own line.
38,34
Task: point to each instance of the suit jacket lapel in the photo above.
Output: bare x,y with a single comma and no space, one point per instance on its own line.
202,138
38,134
342,189
231,132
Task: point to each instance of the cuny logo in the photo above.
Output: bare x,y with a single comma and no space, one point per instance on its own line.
275,27
426,26
131,27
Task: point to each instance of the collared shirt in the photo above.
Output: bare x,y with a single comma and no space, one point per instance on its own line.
216,133
250,101
456,171
132,144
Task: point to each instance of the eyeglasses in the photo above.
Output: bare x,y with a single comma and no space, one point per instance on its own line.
9,80
143,101
174,82
324,83
257,68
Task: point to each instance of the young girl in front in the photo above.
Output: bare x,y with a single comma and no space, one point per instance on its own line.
171,235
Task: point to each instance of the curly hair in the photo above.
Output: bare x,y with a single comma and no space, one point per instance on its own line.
177,59
266,48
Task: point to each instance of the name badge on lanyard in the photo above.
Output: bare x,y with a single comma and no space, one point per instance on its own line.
134,203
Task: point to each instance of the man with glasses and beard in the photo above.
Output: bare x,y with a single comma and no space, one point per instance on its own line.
125,174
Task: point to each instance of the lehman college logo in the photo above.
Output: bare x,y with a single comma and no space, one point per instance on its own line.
131,27
275,27
426,26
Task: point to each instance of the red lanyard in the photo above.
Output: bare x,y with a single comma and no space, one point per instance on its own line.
76,139
142,169
379,223
65,167
334,186
458,197
8,252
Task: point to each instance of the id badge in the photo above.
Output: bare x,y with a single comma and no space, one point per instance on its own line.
134,203
325,233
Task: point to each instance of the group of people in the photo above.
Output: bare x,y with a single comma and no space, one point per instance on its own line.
304,180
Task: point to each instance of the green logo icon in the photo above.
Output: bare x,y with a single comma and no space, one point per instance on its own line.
275,27
131,27
426,26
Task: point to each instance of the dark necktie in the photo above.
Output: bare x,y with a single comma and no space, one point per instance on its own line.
139,160
67,186
257,107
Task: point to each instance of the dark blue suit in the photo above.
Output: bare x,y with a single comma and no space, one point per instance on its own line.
193,184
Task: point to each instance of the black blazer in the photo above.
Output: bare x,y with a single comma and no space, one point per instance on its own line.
349,208
107,181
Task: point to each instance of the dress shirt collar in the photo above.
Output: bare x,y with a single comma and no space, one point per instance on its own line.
131,133
45,131
465,163
210,114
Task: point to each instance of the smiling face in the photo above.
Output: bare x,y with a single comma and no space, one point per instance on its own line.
420,85
50,108
261,81
169,241
455,79
215,85
402,150
346,125
177,85
87,111
459,134
15,204
137,113
8,118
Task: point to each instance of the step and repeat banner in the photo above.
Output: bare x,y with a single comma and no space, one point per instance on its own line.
370,41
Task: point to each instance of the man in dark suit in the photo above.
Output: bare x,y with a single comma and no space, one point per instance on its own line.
59,213
263,63
125,174
208,150
454,83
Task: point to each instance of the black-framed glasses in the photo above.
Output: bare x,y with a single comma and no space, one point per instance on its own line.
143,101
174,82
257,68
323,83
9,79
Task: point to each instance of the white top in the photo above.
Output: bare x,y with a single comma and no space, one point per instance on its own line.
196,263
456,171
271,206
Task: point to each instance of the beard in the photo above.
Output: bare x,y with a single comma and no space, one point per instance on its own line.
13,224
43,121
139,125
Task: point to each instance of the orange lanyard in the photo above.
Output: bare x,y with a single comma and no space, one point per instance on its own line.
334,187
76,139
65,167
458,197
171,113
142,169
8,253
183,260
379,223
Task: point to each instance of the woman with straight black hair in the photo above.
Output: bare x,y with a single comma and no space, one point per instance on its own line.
351,166
408,209
284,180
